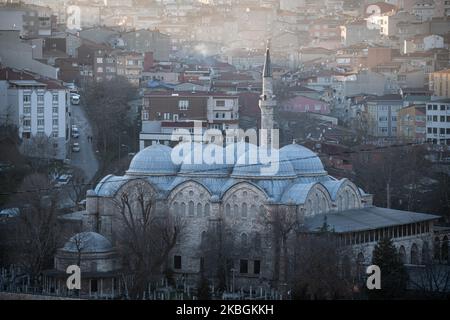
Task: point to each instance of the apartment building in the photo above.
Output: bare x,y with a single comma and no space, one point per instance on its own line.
411,123
39,107
440,83
438,122
130,66
382,112
165,112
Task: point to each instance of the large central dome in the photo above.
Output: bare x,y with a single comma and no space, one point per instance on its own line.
153,160
303,160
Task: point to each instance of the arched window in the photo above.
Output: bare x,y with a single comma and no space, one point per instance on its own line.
228,210
244,240
340,203
414,254
346,199
444,249
402,254
183,209
316,204
199,209
176,208
257,241
244,210
354,201
236,210
191,208
253,211
207,210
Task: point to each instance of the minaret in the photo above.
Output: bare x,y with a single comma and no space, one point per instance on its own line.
267,101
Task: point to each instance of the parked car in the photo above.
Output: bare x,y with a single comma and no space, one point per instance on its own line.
63,180
75,132
76,147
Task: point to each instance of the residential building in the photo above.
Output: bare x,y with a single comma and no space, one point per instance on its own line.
164,112
411,123
300,104
440,83
39,107
129,65
438,122
382,115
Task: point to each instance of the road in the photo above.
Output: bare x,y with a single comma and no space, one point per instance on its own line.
85,159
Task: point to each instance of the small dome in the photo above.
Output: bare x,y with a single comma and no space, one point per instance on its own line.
88,242
303,160
153,160
250,164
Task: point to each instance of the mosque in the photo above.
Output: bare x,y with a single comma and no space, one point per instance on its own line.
239,193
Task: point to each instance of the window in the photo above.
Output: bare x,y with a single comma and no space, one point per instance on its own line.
243,266
145,115
183,104
94,285
257,241
177,262
55,122
40,110
191,208
40,122
228,210
199,209
244,210
26,109
442,107
166,116
244,240
55,134
55,109
207,209
256,267
99,69
99,60
40,98
26,98
220,103
26,123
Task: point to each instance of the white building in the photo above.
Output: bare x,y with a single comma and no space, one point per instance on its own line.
39,108
438,122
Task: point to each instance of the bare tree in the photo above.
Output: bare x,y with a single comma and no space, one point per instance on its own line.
38,230
218,248
145,239
77,186
280,223
322,267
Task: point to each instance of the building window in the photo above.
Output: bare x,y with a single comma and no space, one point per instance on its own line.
207,210
256,267
55,98
191,208
55,109
26,98
177,262
183,104
145,115
244,240
55,122
166,116
27,110
99,60
40,98
220,103
94,285
243,266
40,122
244,210
199,209
40,110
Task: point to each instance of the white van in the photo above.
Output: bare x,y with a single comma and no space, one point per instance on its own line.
74,99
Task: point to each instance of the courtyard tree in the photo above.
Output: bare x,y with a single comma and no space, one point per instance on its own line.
394,277
145,237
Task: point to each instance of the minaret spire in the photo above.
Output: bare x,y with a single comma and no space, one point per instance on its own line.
267,101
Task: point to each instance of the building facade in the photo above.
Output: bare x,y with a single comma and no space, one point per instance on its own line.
39,108
438,122
382,115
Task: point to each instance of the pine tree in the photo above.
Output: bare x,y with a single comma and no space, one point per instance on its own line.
394,276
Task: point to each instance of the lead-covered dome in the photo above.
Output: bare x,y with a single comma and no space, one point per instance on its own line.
88,242
303,160
153,160
257,163
207,159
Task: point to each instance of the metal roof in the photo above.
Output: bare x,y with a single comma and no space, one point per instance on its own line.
368,218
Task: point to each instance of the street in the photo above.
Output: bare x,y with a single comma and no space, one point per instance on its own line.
85,159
